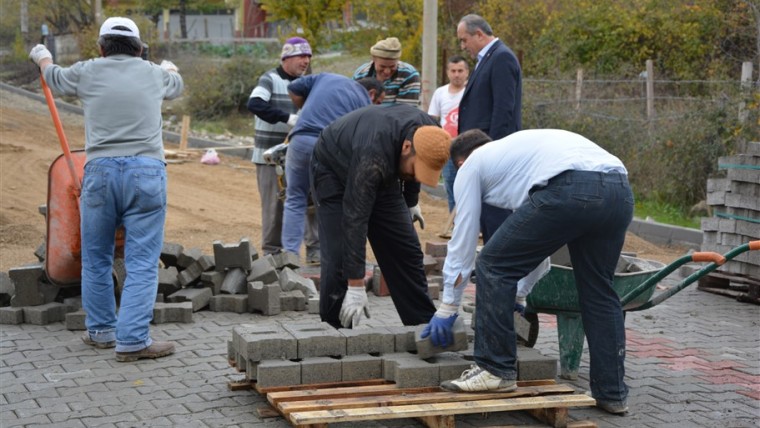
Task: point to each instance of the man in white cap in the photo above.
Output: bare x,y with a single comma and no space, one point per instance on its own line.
124,182
356,166
275,117
401,80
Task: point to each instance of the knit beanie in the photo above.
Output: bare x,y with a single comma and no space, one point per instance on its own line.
295,46
389,48
431,145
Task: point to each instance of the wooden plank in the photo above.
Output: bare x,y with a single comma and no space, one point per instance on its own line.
265,412
556,417
448,421
239,385
348,402
440,409
317,386
183,133
335,393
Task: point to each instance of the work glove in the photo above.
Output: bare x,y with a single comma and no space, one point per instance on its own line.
292,120
416,214
354,304
169,66
38,53
440,327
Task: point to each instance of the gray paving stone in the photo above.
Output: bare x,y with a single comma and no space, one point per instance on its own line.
361,367
317,340
320,369
377,340
198,297
238,255
45,314
26,285
278,373
11,315
234,281
425,348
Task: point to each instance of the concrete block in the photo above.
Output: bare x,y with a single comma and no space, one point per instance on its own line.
264,298
187,257
6,289
74,303
317,340
436,249
379,286
237,303
75,320
41,251
239,255
430,264
391,360
286,259
522,327
290,280
377,340
45,314
404,338
234,282
278,373
164,313
411,373
230,350
11,315
361,367
42,209
312,304
170,253
425,348
263,270
213,280
435,279
258,342
320,370
198,297
168,280
26,285
532,365
192,273
292,301
160,298
450,365
251,370
434,291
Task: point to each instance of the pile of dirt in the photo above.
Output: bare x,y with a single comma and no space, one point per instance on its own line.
206,203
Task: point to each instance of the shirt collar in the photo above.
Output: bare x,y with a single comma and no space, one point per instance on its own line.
485,49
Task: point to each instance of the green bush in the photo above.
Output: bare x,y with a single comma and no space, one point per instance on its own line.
218,89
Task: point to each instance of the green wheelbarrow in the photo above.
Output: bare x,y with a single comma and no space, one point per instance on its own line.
556,294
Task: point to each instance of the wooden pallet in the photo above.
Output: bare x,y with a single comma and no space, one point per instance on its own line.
315,406
740,287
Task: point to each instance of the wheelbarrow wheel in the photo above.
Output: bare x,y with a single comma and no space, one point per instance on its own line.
532,318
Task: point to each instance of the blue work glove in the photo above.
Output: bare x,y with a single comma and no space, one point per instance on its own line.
440,326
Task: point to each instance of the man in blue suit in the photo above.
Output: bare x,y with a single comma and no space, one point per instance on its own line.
492,100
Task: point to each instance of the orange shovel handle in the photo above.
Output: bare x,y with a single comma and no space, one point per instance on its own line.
61,135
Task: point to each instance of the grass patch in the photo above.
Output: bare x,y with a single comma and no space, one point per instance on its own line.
663,212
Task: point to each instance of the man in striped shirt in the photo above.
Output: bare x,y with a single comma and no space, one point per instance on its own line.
401,80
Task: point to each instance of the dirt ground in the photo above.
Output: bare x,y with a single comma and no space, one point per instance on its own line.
206,203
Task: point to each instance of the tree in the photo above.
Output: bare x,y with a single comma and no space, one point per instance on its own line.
154,8
309,16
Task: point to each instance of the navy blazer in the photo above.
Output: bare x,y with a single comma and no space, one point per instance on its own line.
492,99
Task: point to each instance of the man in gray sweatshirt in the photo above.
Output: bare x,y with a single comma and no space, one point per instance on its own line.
124,182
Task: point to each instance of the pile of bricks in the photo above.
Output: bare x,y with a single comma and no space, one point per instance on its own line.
276,354
735,204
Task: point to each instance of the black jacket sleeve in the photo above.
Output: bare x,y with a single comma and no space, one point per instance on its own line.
266,112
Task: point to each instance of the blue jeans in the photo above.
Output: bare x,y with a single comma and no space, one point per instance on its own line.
590,212
298,179
128,191
449,174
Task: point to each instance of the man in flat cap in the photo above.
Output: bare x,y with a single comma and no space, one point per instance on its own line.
401,80
356,166
275,117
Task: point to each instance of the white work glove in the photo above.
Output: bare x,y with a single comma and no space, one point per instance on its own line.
416,214
38,53
169,66
354,304
292,120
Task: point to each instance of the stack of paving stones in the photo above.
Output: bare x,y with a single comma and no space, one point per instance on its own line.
275,354
235,279
735,203
435,254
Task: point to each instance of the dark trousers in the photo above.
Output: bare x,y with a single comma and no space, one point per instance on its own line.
491,218
394,242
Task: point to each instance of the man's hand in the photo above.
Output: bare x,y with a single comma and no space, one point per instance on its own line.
292,120
38,53
440,326
354,304
416,214
169,66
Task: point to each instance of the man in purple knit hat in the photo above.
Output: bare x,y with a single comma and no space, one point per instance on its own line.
275,117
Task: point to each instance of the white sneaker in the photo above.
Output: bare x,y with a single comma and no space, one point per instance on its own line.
479,380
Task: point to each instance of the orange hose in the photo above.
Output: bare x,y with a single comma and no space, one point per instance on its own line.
708,256
61,135
754,245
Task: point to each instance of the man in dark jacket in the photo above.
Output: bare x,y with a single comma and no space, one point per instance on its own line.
356,166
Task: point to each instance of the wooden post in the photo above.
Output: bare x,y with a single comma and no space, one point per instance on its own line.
746,78
578,89
650,89
184,132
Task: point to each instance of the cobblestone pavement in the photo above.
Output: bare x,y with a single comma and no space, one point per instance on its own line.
693,361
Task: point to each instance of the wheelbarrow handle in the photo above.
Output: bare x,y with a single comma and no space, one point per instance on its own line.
715,259
61,136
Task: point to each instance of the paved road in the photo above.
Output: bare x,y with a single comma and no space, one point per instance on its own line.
693,361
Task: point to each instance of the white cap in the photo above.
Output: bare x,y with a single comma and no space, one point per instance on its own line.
109,27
